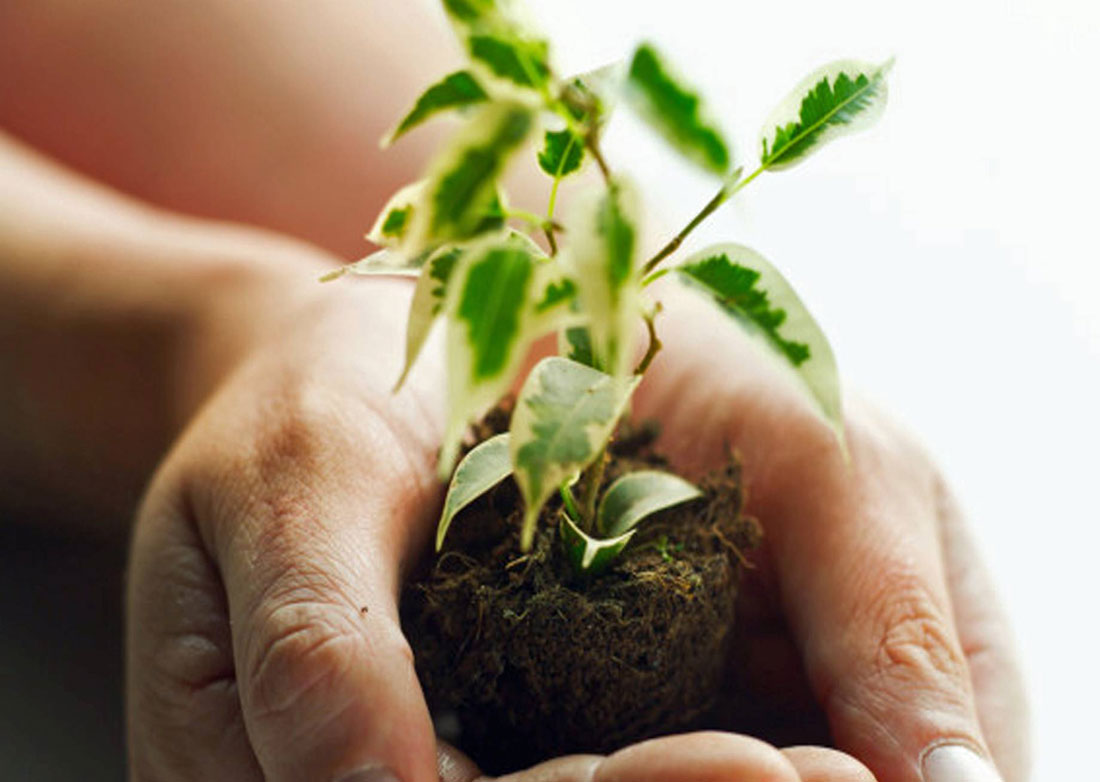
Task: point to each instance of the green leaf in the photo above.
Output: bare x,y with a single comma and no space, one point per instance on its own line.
393,221
384,263
675,111
512,58
490,326
590,97
470,11
561,153
481,469
757,296
563,417
456,90
427,303
589,555
460,192
601,250
430,294
576,343
639,494
838,99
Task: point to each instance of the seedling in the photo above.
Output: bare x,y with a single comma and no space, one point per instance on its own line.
481,269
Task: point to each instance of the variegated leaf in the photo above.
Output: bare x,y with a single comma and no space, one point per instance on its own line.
564,416
752,291
675,111
601,252
393,221
589,555
461,188
427,303
454,91
481,469
383,263
838,99
490,305
639,494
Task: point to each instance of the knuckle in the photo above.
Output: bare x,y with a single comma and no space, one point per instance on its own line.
302,649
916,643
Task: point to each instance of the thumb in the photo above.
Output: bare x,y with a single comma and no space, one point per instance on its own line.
308,529
863,583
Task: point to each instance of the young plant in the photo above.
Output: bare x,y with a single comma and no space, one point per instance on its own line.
481,271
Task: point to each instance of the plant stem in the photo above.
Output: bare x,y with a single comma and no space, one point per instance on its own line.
594,147
724,194
654,342
569,502
591,479
550,216
549,232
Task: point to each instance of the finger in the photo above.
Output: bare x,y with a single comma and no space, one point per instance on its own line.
574,768
311,566
820,764
868,600
855,546
697,757
311,502
183,715
989,646
453,766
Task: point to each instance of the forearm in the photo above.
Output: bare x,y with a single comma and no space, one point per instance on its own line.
115,322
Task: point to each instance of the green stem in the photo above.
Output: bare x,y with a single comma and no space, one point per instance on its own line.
724,194
591,479
569,502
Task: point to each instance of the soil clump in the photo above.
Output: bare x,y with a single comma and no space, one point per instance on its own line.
521,660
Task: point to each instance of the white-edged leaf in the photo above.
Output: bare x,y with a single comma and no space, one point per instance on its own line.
758,297
383,263
587,554
563,417
511,58
601,253
428,300
562,153
675,111
490,325
486,465
460,194
639,494
430,294
837,99
592,96
454,91
393,221
555,304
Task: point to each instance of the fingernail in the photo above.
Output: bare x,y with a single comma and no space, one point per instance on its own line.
370,774
957,763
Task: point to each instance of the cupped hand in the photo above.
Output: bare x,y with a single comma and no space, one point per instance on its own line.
870,617
263,639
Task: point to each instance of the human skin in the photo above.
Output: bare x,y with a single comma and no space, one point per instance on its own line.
297,489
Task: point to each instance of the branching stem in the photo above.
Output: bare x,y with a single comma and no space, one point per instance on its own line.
724,194
654,341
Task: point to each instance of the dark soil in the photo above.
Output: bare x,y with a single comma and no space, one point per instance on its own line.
522,661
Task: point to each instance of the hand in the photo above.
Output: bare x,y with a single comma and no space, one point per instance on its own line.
263,637
869,608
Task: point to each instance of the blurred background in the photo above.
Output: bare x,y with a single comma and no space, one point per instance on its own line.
948,253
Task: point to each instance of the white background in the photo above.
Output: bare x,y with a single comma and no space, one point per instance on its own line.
950,254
